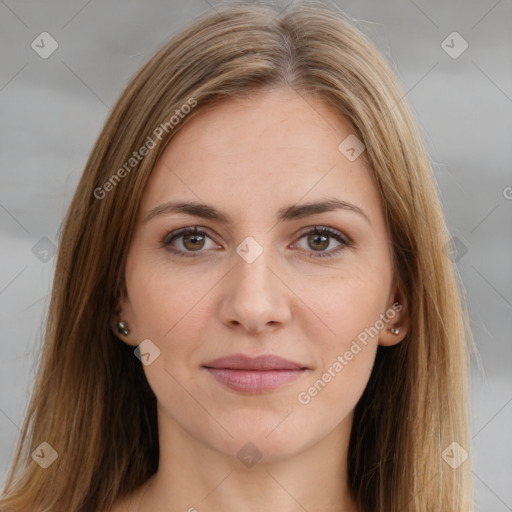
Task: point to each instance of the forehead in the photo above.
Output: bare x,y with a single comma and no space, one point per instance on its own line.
273,147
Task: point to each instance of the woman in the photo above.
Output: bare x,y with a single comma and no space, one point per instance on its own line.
252,306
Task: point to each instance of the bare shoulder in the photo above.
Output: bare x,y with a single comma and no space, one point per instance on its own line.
130,502
126,503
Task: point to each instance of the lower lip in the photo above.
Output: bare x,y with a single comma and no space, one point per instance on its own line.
254,381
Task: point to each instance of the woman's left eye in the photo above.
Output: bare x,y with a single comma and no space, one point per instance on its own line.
193,240
320,237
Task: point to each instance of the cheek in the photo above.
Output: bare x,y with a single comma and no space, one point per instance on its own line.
163,299
172,310
348,304
350,308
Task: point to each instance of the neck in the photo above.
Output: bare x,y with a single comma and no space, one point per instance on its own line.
192,476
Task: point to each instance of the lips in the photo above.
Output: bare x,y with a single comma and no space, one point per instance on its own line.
254,374
243,362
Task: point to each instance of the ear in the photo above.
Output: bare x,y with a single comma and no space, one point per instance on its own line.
124,313
397,315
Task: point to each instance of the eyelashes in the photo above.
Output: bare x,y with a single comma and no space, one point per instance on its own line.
197,236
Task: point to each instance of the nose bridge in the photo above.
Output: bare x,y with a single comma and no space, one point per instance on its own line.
255,259
256,296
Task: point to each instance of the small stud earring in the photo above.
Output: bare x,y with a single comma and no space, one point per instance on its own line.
394,330
122,329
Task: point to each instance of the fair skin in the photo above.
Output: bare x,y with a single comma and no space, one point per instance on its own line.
249,158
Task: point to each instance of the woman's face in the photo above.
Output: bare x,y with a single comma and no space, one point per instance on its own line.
256,280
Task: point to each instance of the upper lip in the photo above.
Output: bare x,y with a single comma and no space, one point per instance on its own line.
264,362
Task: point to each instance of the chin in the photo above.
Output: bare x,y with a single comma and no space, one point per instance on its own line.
271,437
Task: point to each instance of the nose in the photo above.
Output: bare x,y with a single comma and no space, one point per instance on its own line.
255,296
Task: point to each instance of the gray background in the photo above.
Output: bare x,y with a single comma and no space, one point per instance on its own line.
53,109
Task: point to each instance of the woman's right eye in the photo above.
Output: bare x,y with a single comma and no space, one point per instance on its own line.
191,240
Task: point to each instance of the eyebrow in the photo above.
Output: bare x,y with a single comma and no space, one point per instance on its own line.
288,213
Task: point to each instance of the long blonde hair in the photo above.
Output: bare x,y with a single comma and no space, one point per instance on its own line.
92,402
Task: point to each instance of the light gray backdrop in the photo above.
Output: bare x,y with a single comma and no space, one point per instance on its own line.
53,106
